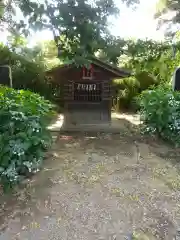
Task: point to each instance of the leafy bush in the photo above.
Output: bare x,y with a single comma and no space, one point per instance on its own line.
29,64
127,89
160,111
23,135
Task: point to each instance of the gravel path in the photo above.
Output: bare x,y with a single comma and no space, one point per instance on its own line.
98,187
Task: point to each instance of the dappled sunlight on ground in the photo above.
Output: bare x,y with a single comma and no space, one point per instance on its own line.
57,124
115,126
98,186
134,119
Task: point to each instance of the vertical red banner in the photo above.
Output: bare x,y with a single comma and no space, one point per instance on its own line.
88,73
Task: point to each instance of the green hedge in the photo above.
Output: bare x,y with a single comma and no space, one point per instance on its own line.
160,111
23,134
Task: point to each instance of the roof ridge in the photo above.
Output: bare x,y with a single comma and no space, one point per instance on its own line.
109,67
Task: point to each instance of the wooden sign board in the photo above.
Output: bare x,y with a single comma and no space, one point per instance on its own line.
5,75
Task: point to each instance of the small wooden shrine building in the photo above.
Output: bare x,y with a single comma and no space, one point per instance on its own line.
87,92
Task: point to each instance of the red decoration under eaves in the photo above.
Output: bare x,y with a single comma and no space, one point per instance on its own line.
88,73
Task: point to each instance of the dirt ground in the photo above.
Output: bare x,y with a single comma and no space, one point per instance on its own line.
98,187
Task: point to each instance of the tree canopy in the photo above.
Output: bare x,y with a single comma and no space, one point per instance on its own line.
79,27
168,12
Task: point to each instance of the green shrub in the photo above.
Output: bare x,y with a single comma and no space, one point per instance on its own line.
127,89
160,111
124,92
23,134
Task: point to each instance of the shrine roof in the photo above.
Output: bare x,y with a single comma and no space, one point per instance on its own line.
118,72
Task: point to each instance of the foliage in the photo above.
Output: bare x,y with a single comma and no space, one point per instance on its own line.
155,58
160,111
127,89
149,56
29,65
113,49
168,15
152,63
49,53
134,51
124,91
23,135
79,27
